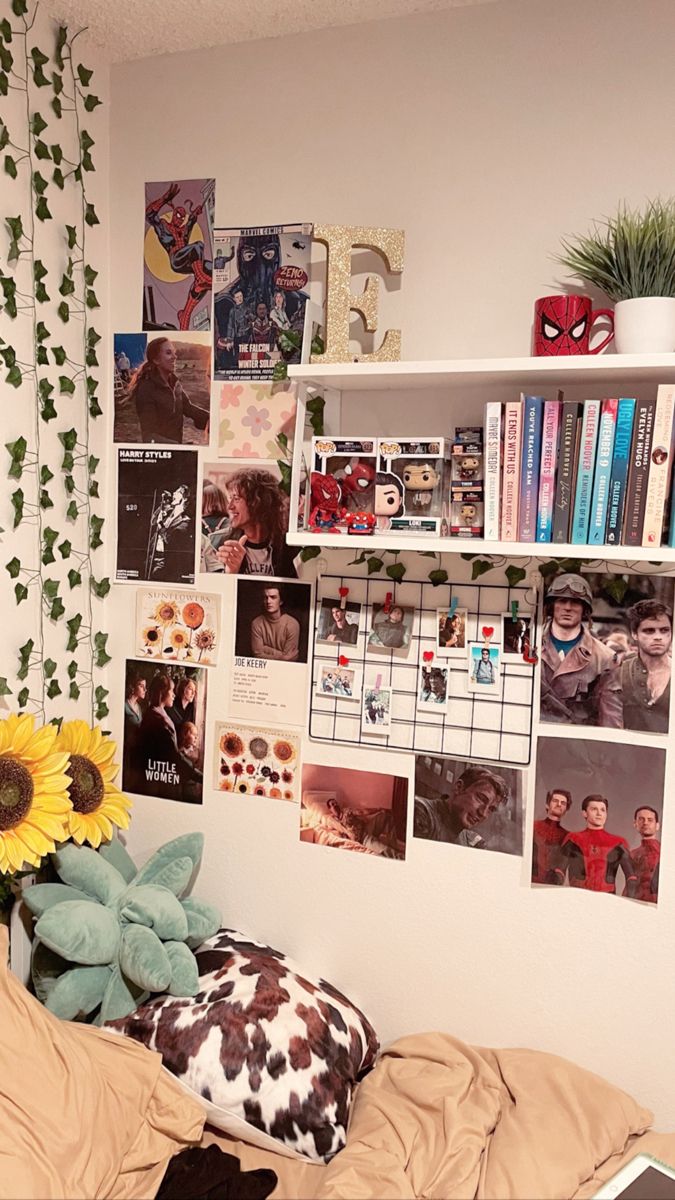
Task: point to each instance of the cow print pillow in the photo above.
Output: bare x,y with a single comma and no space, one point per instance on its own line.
273,1057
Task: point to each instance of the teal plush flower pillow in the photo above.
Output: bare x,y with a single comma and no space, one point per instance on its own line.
108,936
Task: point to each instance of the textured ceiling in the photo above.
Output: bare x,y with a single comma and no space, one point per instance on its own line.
126,29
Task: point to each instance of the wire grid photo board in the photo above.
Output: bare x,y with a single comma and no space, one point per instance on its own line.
489,728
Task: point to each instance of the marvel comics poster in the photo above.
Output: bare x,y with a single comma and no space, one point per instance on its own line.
162,387
261,277
174,626
156,515
606,651
178,254
164,718
598,817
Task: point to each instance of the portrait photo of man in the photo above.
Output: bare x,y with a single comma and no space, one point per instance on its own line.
338,622
548,835
644,674
577,682
272,620
647,856
468,804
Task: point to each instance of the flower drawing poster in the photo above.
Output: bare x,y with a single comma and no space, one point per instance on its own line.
178,626
252,416
257,762
178,254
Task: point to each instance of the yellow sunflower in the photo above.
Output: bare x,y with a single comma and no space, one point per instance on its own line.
34,804
166,612
97,804
151,635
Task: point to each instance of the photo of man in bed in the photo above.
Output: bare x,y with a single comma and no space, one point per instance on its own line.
354,810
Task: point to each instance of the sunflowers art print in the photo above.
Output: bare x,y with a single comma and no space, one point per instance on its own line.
177,626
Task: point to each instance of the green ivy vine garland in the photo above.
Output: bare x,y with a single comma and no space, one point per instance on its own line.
31,157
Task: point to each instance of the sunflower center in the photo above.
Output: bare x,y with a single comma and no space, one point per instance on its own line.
87,788
16,792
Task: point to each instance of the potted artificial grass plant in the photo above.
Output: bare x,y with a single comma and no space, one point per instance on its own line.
631,257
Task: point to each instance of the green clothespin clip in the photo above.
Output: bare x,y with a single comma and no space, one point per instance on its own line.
514,610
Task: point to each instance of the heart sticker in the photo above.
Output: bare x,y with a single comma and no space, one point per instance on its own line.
428,655
487,632
343,591
344,661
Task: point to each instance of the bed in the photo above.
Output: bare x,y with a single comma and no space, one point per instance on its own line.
85,1113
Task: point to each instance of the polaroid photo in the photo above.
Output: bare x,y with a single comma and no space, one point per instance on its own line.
338,683
391,630
516,635
338,623
376,710
451,632
485,669
433,688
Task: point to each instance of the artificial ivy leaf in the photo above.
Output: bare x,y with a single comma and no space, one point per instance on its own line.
68,461
41,356
42,210
90,215
87,162
15,226
437,577
17,449
515,574
39,182
57,154
14,567
36,54
39,77
480,566
49,667
101,657
74,578
41,332
21,592
84,75
92,464
4,83
48,412
93,489
4,689
14,376
57,106
17,499
59,355
90,298
41,150
91,359
6,29
65,548
92,385
10,166
57,177
41,293
25,651
19,7
39,270
71,511
9,355
100,588
309,552
95,409
67,286
91,102
48,557
57,83
64,312
6,58
77,174
101,711
45,499
22,698
73,627
96,525
66,385
49,535
50,588
93,338
53,688
4,135
38,124
72,668
74,691
374,564
57,610
396,571
69,485
68,439
45,475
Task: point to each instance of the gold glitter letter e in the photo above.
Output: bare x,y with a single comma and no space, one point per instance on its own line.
339,241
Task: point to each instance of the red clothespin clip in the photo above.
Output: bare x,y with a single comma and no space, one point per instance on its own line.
428,656
343,593
387,602
530,656
487,632
343,660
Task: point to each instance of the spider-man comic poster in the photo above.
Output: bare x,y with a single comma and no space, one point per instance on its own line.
260,287
178,254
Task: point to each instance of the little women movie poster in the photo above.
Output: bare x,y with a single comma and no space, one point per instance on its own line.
164,717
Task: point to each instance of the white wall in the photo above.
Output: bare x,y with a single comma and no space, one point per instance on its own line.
487,134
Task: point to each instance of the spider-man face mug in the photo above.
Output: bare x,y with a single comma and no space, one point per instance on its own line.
563,325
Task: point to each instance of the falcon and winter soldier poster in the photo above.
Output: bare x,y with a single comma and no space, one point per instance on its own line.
260,293
178,254
156,515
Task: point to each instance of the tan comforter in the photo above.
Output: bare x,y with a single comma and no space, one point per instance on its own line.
441,1120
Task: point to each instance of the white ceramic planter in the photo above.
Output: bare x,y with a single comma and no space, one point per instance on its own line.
645,325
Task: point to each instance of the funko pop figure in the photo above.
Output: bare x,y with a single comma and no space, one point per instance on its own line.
469,467
468,513
357,481
388,497
420,479
326,511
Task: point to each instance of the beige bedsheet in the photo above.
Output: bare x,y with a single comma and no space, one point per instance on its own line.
441,1120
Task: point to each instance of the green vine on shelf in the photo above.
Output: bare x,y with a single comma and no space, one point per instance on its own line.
28,285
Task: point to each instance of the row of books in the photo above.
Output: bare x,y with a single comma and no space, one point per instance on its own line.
591,473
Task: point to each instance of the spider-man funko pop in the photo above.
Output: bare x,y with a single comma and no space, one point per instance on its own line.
563,324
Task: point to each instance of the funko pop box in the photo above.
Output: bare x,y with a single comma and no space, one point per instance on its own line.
419,465
352,463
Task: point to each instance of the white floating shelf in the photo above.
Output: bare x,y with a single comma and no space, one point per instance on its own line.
589,368
447,545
